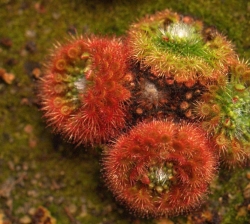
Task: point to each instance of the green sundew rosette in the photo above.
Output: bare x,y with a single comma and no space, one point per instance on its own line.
226,116
179,47
234,102
234,126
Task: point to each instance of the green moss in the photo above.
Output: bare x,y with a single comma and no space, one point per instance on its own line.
229,192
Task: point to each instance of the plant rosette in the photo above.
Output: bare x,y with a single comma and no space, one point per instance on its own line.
162,98
225,114
160,168
180,47
83,90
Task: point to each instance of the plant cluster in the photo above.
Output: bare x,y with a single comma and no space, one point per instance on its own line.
170,101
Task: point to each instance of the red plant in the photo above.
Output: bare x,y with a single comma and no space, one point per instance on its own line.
160,167
83,90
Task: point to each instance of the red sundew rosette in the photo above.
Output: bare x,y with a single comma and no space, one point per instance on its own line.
83,90
160,168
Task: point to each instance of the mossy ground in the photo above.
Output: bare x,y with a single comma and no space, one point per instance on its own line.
39,168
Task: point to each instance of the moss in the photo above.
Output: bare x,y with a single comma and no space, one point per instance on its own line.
33,27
